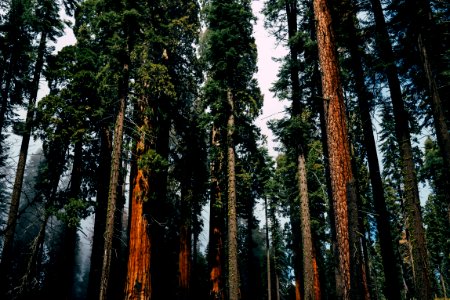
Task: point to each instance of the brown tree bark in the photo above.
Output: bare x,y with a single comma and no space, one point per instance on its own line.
305,220
233,272
337,139
392,286
411,191
113,186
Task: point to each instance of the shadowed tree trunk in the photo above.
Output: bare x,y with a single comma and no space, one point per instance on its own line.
7,253
113,185
103,175
216,222
412,202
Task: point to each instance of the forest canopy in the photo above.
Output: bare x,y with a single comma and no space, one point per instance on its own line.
132,166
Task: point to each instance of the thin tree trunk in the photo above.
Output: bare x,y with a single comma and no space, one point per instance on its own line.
305,220
339,154
422,285
269,284
216,222
7,253
233,273
103,175
113,186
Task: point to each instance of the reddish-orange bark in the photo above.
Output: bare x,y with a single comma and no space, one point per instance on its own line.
216,271
337,139
138,283
298,293
317,291
184,262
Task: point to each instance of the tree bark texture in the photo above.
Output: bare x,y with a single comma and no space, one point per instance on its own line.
233,272
138,282
305,221
412,202
113,187
338,147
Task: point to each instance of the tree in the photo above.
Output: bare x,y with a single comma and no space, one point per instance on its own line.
412,202
352,40
50,28
336,131
230,55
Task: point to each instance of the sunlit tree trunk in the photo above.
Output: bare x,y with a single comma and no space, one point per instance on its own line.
337,137
412,202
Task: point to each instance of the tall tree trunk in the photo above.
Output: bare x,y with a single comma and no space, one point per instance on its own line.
269,273
7,253
216,220
113,185
138,282
305,220
412,201
233,273
392,286
103,175
425,29
184,254
339,154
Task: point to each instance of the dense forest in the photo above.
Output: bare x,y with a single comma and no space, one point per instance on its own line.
131,165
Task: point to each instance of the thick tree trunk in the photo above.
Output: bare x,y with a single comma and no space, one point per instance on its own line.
216,225
338,147
113,186
412,201
7,253
138,282
184,262
233,272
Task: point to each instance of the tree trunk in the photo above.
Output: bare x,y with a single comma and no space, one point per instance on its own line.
113,186
138,282
7,253
426,26
339,154
103,175
233,273
412,201
269,273
305,220
392,286
216,225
